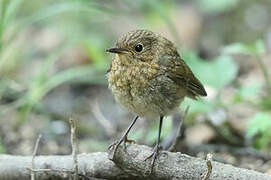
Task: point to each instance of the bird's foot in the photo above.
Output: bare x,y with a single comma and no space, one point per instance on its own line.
115,145
154,154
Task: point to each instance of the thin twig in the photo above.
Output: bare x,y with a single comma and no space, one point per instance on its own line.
34,155
209,158
74,147
265,73
179,133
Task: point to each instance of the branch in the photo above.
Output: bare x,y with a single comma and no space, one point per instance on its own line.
129,164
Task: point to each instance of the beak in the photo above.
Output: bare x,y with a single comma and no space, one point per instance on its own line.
117,50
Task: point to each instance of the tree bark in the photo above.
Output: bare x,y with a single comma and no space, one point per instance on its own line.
128,164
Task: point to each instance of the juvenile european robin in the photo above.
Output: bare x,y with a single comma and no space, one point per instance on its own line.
149,78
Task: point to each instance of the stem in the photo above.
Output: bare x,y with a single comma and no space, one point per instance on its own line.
265,74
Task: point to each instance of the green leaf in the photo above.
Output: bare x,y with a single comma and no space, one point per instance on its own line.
238,48
257,48
261,123
11,10
217,73
199,106
223,71
248,92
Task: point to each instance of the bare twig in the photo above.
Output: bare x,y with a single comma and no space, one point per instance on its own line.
179,133
74,147
209,158
34,155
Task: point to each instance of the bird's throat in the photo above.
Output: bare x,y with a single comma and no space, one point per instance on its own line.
124,59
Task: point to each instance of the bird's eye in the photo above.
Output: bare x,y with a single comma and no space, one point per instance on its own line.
139,48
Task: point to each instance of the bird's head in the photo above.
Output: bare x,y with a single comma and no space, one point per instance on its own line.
135,46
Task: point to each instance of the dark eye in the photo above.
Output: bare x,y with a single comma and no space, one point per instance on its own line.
139,48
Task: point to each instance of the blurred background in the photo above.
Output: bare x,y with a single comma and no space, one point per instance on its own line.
53,65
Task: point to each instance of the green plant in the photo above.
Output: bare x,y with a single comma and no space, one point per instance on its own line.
44,80
248,93
259,128
7,18
216,74
256,49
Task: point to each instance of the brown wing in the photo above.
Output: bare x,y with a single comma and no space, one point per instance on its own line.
177,70
194,86
180,73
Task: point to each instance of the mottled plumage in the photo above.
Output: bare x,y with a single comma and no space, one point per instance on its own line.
148,77
153,82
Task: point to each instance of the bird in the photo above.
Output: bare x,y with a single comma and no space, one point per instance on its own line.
148,77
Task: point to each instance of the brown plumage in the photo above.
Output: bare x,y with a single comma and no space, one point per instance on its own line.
148,77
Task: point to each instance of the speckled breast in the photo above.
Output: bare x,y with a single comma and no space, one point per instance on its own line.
143,89
131,86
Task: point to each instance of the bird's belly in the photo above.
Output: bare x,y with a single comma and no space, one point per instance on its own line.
145,97
134,95
139,106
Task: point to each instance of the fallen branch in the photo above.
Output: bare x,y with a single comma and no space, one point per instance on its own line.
129,164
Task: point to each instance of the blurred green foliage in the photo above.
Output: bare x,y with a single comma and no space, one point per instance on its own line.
221,72
88,25
217,74
254,49
259,128
214,6
248,93
44,80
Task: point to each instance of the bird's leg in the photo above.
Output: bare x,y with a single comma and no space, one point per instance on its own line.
124,139
157,147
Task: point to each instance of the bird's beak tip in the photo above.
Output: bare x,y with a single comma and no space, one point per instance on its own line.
108,50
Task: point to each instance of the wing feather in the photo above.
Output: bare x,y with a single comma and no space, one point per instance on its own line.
180,73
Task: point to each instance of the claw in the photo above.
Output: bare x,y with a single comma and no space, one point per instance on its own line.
115,145
130,141
153,156
126,140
